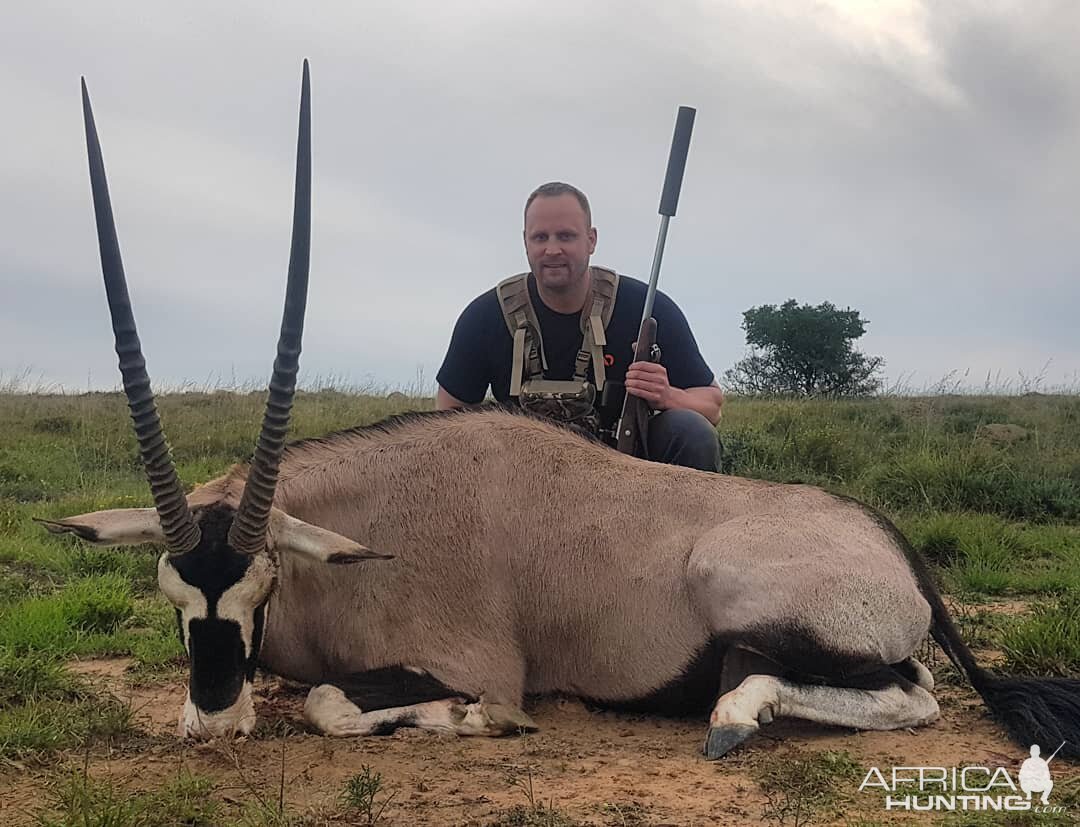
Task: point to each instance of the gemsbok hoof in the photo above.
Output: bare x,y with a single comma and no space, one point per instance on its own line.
722,739
509,719
484,718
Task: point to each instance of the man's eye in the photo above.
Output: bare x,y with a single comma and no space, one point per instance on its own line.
565,236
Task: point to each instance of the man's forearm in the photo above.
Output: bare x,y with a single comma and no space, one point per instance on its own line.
706,400
444,401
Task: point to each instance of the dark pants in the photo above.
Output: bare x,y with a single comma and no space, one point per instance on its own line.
682,437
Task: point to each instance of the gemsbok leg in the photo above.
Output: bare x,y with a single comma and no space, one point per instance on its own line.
329,710
835,627
898,703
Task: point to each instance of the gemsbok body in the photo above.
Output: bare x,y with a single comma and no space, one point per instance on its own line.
519,558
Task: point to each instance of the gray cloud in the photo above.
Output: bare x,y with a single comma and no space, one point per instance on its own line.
918,165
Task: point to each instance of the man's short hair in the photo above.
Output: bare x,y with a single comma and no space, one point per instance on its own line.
554,188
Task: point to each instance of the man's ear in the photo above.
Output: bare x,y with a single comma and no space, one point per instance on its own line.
290,535
115,527
592,240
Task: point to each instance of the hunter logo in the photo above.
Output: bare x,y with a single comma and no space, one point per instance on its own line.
972,788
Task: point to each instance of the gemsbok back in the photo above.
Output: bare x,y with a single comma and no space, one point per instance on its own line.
519,558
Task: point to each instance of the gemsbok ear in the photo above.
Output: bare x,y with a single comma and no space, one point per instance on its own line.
115,527
288,534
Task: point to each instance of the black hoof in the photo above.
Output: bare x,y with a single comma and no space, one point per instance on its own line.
723,739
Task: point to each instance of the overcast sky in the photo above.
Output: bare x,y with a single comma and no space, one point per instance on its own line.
917,161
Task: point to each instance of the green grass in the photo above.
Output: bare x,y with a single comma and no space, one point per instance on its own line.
44,725
996,516
984,554
803,787
1047,642
79,801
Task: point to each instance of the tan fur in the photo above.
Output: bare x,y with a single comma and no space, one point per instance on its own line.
527,559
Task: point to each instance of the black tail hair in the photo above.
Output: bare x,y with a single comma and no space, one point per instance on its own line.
1044,711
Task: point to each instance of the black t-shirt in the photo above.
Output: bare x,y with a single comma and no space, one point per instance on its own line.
481,349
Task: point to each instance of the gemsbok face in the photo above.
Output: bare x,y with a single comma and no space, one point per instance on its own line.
222,542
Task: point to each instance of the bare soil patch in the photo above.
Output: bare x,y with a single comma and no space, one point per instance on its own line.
598,767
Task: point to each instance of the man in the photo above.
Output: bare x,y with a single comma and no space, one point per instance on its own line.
551,339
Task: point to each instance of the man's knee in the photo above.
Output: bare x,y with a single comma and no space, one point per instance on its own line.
684,437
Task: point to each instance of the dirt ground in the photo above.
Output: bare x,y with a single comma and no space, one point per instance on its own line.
596,767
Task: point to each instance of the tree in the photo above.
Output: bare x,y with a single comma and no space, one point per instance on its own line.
806,351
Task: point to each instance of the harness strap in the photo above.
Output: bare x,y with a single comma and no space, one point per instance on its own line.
524,327
529,360
594,321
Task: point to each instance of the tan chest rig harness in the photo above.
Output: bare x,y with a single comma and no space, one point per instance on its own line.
572,401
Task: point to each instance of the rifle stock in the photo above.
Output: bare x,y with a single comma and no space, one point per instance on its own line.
634,419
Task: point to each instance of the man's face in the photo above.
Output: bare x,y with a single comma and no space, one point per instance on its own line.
558,242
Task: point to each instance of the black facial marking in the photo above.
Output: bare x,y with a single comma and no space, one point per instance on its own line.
219,662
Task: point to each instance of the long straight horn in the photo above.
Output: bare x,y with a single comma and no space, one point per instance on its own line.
248,531
181,532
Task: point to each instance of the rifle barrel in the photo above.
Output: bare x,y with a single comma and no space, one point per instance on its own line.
654,275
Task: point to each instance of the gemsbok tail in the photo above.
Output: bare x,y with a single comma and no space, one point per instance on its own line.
1034,710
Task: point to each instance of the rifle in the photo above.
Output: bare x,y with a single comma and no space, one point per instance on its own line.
633,421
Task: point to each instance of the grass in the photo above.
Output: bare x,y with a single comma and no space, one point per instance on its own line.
538,815
803,787
45,724
1047,642
997,512
80,801
361,796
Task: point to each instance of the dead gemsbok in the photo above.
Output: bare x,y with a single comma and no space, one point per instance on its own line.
526,559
